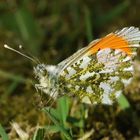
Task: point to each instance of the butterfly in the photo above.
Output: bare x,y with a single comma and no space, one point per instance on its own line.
95,74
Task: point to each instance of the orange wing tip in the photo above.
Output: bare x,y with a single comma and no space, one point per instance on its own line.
125,40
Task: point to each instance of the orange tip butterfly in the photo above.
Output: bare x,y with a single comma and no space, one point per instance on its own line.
95,74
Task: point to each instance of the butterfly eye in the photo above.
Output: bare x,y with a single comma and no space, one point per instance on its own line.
40,70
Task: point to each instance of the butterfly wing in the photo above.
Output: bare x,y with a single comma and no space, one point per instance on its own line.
99,72
75,57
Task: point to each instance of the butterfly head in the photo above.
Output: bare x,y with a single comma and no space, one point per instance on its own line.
46,75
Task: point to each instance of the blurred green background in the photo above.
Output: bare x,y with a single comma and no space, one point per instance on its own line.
51,31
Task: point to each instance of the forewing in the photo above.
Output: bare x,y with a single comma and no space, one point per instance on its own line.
76,56
104,69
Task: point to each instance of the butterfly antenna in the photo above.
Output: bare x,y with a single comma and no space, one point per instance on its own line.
35,59
14,50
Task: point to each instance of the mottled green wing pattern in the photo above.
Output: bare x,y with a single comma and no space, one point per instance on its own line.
98,78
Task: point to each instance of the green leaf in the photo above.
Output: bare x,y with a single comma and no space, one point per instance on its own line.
58,125
123,102
53,112
51,129
63,109
3,133
39,134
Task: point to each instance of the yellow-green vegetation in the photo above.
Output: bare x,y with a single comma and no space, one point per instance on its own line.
52,31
